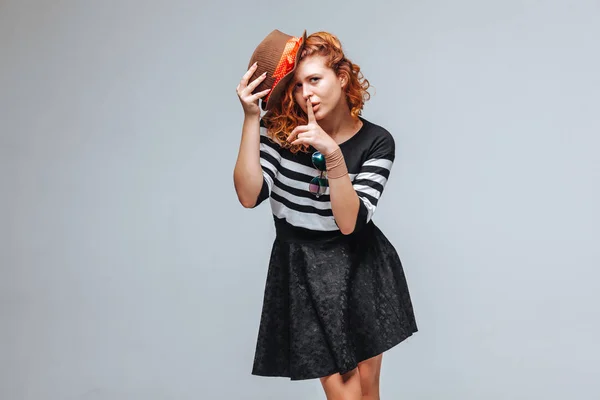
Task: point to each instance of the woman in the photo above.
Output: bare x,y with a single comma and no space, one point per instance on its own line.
336,297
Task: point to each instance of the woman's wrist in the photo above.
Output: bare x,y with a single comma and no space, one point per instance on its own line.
252,115
336,165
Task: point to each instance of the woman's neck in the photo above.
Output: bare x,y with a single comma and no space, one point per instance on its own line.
340,125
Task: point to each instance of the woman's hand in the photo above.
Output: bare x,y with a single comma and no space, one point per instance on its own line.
312,134
244,91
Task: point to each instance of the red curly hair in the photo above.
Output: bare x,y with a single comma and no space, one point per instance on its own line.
284,117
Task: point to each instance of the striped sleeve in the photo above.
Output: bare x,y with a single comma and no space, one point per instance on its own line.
373,176
269,162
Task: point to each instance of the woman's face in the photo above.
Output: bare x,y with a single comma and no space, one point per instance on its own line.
315,80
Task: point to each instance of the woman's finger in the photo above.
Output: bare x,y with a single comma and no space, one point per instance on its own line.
299,129
309,111
248,74
259,95
302,141
255,83
296,131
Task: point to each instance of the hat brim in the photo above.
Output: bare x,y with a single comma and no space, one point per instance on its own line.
278,90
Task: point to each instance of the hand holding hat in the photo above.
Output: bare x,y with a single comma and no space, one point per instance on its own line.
245,91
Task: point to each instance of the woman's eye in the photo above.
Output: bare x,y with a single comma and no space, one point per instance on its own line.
312,80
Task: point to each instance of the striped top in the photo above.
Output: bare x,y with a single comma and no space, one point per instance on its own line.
369,156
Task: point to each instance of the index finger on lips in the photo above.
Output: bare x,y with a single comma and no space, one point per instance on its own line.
309,111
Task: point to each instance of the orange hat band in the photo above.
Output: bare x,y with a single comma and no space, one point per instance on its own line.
286,62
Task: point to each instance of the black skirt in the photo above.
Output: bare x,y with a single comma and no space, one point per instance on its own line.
330,302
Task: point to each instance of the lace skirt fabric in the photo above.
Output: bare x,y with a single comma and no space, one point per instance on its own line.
329,304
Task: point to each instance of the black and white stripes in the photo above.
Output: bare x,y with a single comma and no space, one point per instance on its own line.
369,156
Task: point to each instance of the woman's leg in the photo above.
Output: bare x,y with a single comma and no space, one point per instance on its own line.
342,387
369,371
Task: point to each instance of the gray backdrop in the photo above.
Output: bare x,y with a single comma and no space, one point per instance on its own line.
130,271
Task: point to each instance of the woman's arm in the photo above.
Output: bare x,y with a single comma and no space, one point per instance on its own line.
247,174
344,203
352,203
344,200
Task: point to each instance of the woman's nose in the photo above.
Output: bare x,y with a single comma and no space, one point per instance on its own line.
306,93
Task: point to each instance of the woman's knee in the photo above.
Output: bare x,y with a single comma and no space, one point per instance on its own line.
343,387
369,371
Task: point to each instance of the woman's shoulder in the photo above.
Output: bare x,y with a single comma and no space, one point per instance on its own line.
374,138
377,133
